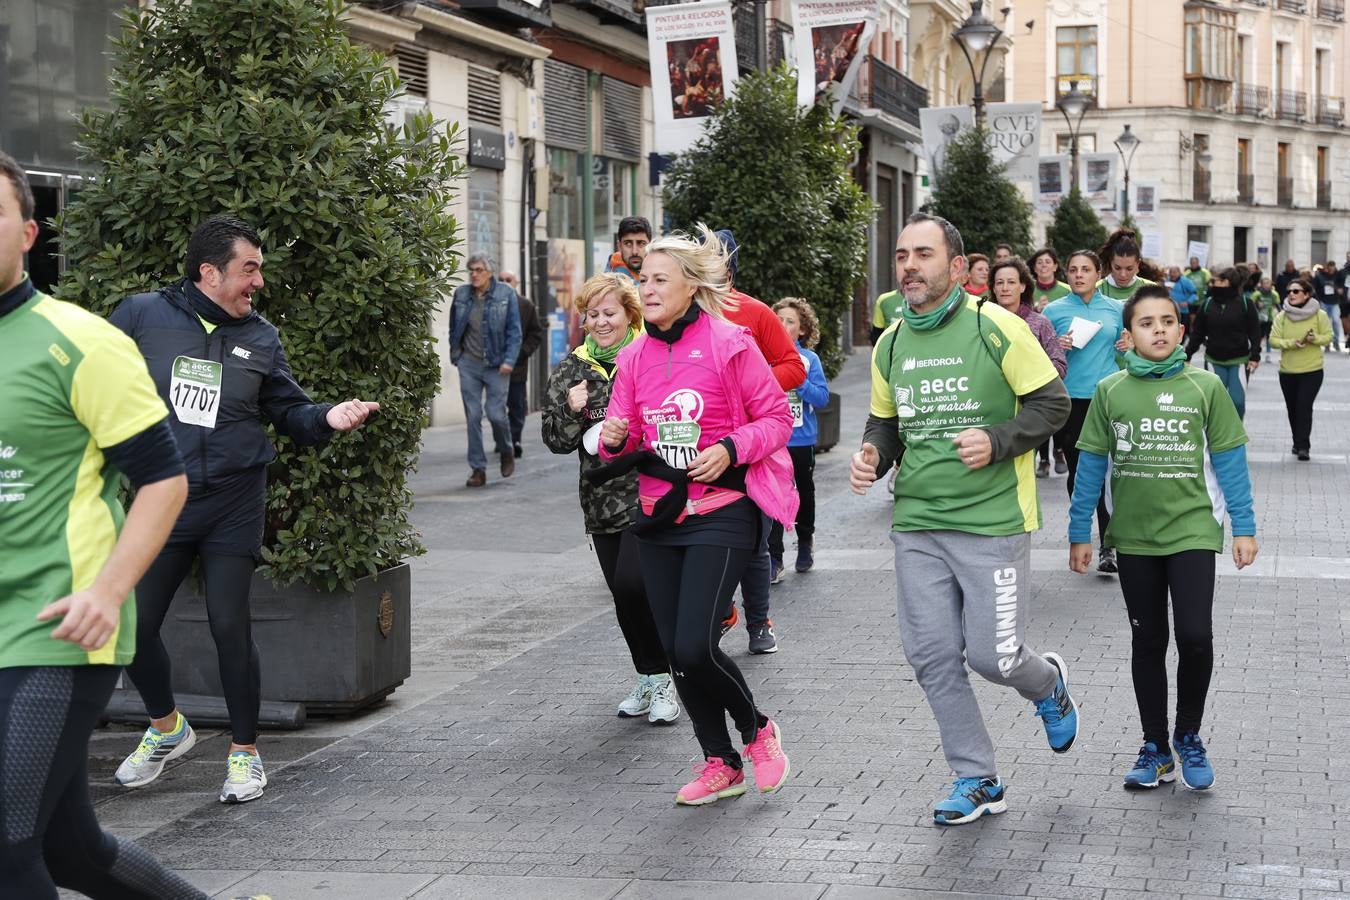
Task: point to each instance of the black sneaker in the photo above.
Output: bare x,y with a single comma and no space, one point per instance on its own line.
1060,465
518,451
762,639
729,622
806,557
1106,561
776,570
1303,456
1043,469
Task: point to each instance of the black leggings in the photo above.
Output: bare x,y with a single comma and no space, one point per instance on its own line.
618,555
687,586
1066,439
1300,392
1145,581
804,473
49,835
227,580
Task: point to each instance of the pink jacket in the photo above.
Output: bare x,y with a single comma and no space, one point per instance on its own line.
712,383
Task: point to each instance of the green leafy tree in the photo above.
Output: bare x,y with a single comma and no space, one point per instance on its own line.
1075,226
973,194
777,175
264,109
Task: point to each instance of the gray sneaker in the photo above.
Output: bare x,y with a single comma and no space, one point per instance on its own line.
762,639
244,779
639,702
155,749
664,709
1106,561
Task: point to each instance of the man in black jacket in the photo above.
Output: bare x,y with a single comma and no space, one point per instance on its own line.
531,333
220,368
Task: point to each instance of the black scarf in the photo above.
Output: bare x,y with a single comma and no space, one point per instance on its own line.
16,296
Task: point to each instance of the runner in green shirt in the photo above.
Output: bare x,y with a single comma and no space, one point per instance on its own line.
1267,303
1121,257
886,312
79,412
963,389
1178,464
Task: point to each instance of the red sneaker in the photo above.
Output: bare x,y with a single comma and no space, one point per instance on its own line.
771,763
716,780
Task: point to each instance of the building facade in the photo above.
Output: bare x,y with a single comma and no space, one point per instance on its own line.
1238,106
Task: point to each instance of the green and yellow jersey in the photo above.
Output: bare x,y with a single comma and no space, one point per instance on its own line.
73,385
886,311
1110,289
966,373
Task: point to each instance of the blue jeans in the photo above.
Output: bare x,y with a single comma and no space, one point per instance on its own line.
1231,376
475,378
1333,311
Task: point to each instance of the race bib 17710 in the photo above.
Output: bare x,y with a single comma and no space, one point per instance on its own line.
677,442
194,391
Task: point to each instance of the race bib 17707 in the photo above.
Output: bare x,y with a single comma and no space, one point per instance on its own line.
677,442
194,391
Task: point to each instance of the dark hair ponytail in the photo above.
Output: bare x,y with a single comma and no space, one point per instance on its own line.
1122,242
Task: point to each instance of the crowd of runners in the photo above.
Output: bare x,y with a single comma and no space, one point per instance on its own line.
692,408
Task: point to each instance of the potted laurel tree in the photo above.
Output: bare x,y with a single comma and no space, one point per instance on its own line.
810,242
266,110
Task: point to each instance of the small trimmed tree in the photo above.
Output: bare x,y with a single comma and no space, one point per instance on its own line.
777,175
1076,226
265,109
972,193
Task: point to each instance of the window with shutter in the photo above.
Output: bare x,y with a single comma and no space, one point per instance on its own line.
623,119
485,96
412,68
565,88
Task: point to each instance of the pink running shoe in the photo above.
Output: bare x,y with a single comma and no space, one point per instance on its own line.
771,763
715,781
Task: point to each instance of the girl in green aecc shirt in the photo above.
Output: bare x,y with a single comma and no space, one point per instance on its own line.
1178,463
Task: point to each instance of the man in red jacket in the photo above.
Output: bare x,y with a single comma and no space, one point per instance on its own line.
790,372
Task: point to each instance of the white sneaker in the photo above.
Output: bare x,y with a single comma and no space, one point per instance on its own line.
156,748
664,708
640,701
245,778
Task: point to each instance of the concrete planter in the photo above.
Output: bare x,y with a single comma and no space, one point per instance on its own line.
332,652
827,424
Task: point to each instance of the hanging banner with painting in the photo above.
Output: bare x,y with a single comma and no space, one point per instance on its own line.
1014,135
830,40
1099,179
692,48
1052,181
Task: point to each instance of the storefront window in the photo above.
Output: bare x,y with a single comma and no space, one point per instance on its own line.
612,199
564,194
485,213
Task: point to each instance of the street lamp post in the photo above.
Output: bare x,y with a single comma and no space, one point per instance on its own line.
1072,106
977,35
1126,145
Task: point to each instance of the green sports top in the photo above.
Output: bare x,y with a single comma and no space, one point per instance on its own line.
1109,289
1043,296
886,311
73,385
1158,434
966,373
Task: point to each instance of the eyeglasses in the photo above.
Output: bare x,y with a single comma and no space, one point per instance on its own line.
1294,290
477,269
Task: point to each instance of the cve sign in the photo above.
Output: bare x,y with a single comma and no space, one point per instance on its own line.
487,148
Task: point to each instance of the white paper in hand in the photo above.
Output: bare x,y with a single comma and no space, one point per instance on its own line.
1083,330
591,439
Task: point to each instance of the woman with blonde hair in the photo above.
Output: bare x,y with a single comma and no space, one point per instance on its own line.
696,411
574,407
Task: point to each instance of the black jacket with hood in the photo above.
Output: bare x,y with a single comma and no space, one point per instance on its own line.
180,322
1229,326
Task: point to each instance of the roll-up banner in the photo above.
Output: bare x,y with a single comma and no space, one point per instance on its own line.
1099,179
830,41
692,47
1052,181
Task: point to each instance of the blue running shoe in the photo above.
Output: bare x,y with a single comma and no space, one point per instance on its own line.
1058,712
971,798
1153,767
1196,772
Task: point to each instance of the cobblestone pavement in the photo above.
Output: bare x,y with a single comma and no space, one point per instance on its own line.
500,769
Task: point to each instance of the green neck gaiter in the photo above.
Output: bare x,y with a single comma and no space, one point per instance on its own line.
932,319
607,354
1139,367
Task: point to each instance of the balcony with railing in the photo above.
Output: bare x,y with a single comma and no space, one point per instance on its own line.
1291,105
1246,185
1284,191
1330,111
1200,184
1294,6
1331,10
884,88
1324,195
1250,99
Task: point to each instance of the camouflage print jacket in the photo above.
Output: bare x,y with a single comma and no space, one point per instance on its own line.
608,508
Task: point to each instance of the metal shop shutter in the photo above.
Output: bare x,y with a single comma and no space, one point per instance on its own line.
623,119
485,96
412,68
565,90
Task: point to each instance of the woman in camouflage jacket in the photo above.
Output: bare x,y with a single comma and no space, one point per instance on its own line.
574,408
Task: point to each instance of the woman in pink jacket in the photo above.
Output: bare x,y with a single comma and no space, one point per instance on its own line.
696,410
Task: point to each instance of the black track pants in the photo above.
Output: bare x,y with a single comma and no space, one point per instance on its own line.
227,580
1146,582
1067,440
804,474
48,833
687,587
618,555
1300,392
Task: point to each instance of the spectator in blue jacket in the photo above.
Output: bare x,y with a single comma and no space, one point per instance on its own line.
484,343
799,319
1183,293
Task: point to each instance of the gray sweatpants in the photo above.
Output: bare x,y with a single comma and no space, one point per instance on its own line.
963,600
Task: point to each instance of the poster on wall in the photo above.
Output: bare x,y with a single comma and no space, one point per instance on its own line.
1052,181
1099,179
1144,203
692,47
830,38
1014,135
566,272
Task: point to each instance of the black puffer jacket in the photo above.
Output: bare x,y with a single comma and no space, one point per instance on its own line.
254,381
1229,325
